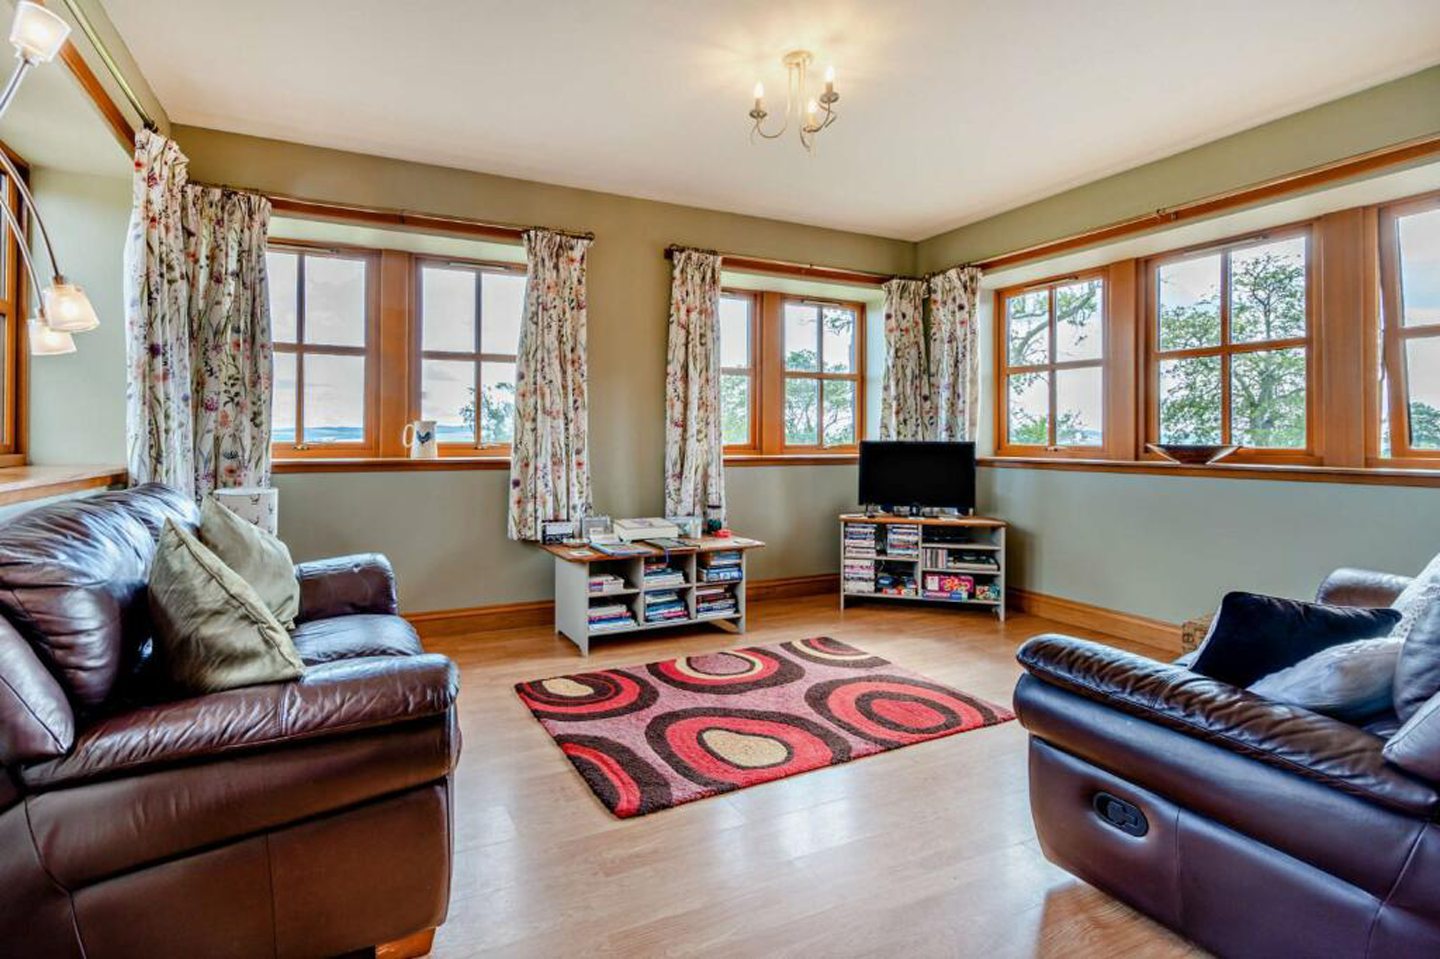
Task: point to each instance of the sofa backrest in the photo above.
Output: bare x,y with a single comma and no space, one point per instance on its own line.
72,583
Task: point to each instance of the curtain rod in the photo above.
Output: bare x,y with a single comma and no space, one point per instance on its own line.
298,206
751,264
87,28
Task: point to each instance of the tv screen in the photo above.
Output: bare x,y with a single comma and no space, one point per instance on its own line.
900,473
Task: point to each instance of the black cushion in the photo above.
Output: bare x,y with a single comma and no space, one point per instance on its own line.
1254,635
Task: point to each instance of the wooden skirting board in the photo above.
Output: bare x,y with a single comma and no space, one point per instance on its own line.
1072,612
1140,629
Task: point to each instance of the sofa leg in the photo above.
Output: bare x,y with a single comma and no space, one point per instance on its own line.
411,947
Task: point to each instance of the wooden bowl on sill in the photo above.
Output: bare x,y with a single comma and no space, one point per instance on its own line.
1193,454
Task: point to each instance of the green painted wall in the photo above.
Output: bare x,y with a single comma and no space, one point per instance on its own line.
1391,113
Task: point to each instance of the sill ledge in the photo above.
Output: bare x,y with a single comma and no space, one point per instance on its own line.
388,464
19,484
791,459
1371,476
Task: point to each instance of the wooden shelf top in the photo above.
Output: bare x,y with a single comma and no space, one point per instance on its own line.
705,544
983,521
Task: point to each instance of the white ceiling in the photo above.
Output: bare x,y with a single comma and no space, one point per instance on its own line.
951,110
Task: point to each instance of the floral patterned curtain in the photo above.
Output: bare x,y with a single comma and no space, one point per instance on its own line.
549,461
694,448
954,354
904,395
197,321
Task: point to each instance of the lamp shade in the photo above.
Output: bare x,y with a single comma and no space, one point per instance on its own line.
37,33
47,342
68,308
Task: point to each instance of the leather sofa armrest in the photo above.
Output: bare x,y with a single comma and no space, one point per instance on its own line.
331,699
1286,737
345,585
1360,587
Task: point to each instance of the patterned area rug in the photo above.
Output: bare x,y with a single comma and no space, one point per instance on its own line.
654,736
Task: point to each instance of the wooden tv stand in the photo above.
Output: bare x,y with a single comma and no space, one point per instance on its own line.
938,542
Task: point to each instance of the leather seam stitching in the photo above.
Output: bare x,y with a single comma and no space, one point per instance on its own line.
1305,772
34,715
1395,885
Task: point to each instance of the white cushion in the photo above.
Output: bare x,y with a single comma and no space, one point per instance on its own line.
1414,599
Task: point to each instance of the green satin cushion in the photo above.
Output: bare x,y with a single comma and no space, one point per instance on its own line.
260,558
212,631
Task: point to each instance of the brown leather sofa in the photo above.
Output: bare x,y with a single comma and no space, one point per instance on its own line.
1250,827
309,818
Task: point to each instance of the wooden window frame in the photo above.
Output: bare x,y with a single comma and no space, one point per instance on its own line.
1003,370
418,354
751,446
1312,453
773,376
14,341
1392,336
370,445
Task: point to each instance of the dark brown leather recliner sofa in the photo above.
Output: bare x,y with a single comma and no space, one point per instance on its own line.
309,818
1250,827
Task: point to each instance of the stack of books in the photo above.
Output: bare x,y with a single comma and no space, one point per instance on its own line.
611,616
718,600
720,567
859,575
660,573
664,606
902,541
606,583
860,539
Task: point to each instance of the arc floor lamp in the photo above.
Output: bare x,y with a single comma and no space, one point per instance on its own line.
37,35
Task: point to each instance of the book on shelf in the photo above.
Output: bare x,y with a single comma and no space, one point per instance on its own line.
902,540
720,574
721,558
621,549
606,583
645,527
624,622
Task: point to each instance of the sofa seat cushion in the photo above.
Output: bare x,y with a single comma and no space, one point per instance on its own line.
352,637
72,582
327,700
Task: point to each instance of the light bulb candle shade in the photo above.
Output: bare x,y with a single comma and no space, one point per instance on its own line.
45,341
68,309
811,113
36,33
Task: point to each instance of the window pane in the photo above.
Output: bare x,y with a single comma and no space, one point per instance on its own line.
735,331
282,410
1190,400
839,412
802,337
1422,367
447,309
1267,399
1029,409
1267,291
1420,267
1079,407
802,406
1189,301
447,396
502,303
497,402
1079,321
838,340
334,398
734,409
1027,328
334,302
280,272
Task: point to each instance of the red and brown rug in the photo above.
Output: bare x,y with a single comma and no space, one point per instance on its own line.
654,736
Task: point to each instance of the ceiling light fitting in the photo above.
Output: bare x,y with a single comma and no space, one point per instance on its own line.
809,113
38,35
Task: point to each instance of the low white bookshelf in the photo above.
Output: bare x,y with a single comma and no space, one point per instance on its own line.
576,566
888,557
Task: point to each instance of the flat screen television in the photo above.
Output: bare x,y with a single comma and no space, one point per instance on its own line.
929,475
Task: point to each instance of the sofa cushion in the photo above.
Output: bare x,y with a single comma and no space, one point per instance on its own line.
1417,676
36,721
1254,635
260,557
212,631
353,637
1352,681
1416,744
72,582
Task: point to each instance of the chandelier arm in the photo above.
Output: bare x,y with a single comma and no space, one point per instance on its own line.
13,223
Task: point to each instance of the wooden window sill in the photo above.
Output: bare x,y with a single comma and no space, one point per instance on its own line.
791,459
388,464
21,483
1370,476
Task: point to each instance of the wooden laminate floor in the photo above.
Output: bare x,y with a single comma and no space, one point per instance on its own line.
922,851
